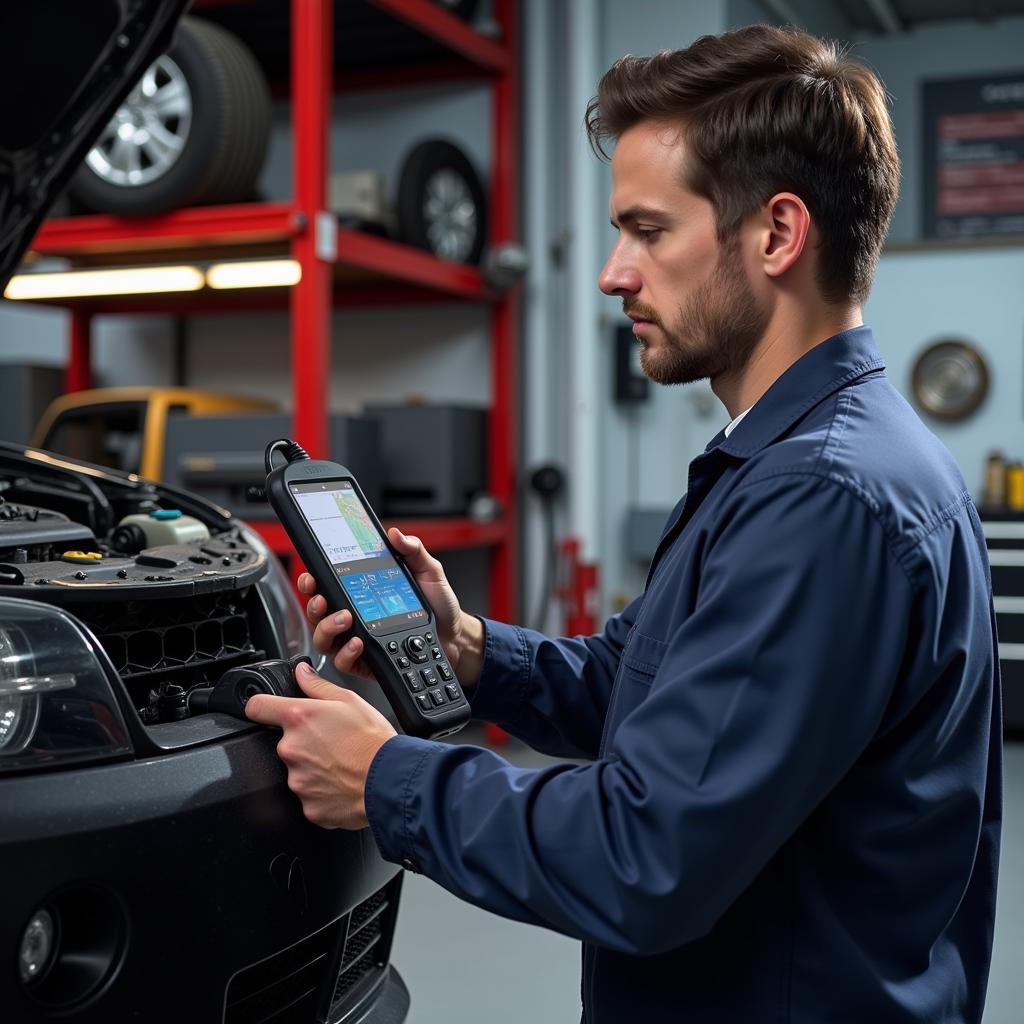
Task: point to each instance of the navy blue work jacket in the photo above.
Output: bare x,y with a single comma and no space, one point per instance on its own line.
791,807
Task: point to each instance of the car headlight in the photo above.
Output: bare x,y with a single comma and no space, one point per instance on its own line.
283,604
56,703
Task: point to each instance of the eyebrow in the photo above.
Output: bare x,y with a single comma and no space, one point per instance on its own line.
632,214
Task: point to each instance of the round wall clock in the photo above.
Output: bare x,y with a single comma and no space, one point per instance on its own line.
950,379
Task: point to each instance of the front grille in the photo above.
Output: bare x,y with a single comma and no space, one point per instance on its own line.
186,641
287,988
363,946
284,988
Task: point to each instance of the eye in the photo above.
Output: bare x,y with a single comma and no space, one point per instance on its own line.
648,234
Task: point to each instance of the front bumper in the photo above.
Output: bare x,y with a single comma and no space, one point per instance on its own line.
211,866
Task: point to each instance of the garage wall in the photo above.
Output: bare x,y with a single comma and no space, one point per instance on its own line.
128,350
949,50
644,450
918,296
922,296
441,355
824,19
976,296
442,352
373,130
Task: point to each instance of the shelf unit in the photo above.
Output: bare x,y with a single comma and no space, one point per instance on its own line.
1004,537
366,269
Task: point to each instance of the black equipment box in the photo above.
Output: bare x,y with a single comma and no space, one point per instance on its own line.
221,457
433,458
25,392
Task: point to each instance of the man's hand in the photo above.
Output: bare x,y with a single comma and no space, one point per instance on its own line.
461,635
328,745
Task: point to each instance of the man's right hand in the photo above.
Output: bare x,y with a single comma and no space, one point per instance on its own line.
461,635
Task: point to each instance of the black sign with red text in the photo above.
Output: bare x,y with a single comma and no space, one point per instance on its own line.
974,157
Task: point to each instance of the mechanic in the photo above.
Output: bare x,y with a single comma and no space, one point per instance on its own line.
791,801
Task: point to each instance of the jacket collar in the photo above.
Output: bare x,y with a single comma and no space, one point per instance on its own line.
811,379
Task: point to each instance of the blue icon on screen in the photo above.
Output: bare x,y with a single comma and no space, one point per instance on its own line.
381,594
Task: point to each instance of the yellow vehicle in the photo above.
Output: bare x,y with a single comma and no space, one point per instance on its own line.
125,428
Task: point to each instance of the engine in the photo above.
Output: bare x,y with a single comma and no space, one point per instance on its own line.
30,534
172,603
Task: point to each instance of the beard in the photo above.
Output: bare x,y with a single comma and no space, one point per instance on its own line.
715,332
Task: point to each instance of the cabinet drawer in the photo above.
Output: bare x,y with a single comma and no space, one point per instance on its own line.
1012,670
1007,572
1000,534
1009,619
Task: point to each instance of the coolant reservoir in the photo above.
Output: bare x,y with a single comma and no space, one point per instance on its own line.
167,526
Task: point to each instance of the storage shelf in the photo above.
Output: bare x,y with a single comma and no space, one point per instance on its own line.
377,43
308,49
208,226
436,534
450,31
368,270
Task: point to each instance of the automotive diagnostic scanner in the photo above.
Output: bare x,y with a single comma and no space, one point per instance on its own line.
342,543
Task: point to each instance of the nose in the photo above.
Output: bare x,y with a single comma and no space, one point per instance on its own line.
619,276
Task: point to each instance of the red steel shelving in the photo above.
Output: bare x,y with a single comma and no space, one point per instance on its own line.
367,269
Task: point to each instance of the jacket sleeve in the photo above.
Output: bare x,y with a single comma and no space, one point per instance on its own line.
764,698
552,694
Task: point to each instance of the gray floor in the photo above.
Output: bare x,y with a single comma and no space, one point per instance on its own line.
464,966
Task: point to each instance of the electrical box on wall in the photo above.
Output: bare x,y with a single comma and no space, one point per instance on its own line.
631,383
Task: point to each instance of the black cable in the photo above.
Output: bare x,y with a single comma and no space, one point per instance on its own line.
547,482
293,452
551,547
633,453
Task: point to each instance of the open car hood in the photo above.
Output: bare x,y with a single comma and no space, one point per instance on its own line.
65,66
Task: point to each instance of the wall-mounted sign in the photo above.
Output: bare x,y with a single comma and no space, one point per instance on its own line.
973,157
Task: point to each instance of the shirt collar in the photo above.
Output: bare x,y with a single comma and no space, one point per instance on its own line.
736,422
811,379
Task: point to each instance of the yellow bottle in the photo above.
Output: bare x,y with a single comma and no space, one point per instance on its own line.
1015,487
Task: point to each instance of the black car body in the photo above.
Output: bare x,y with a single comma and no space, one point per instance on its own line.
157,867
175,874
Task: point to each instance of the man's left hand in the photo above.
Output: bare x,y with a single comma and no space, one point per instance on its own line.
328,745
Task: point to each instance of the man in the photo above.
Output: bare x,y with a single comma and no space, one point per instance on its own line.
791,808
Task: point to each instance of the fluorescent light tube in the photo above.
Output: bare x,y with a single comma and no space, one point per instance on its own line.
125,281
254,274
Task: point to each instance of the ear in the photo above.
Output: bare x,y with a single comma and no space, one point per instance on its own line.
785,226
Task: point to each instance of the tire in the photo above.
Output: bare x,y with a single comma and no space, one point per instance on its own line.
441,205
215,108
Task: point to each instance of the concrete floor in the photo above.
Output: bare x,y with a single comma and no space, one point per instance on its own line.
464,966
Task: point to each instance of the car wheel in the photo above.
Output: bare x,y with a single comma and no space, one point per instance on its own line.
193,130
441,205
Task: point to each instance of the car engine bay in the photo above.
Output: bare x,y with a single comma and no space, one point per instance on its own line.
169,585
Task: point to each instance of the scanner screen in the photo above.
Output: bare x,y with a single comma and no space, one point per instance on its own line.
375,583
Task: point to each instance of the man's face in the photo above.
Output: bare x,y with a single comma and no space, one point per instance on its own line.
689,295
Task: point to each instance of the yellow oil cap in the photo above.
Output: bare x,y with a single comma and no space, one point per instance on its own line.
84,557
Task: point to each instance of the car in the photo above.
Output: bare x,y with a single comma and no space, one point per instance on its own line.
126,428
158,868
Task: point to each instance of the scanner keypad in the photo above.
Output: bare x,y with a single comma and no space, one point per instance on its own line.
434,685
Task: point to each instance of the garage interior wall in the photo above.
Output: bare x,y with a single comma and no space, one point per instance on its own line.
919,296
640,454
922,297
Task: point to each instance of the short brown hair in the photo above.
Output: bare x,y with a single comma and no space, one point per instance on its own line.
769,110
